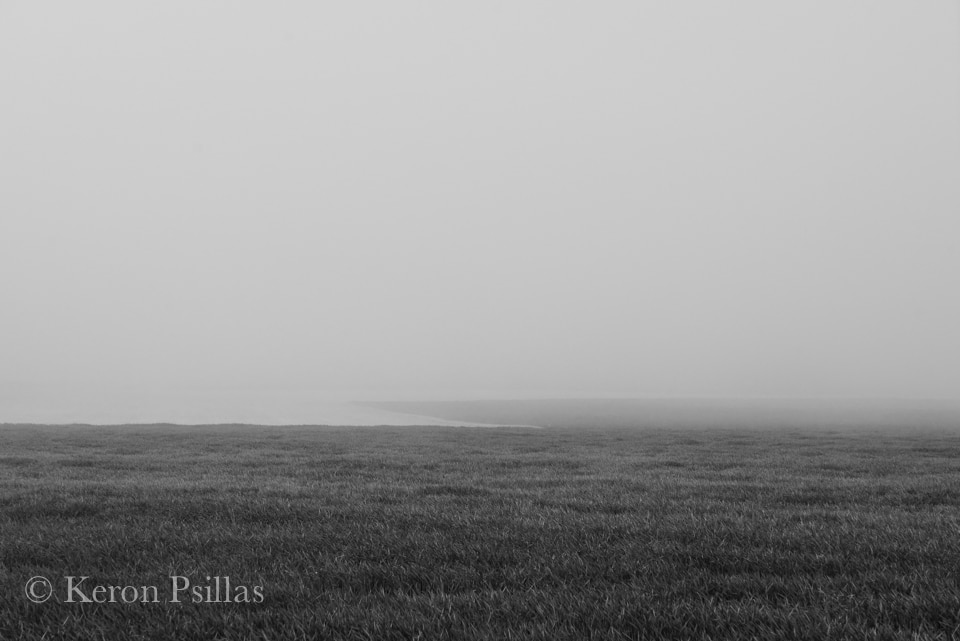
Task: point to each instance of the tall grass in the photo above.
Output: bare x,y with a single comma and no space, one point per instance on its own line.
404,533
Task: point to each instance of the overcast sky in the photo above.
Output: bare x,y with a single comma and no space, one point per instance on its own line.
453,199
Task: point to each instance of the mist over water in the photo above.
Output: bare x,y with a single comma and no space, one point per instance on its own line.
24,404
285,407
701,413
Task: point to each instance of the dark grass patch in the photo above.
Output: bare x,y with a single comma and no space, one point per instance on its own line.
454,490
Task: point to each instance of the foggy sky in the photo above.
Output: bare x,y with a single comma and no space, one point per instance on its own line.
451,200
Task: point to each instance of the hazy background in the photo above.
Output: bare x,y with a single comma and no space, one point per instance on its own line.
463,200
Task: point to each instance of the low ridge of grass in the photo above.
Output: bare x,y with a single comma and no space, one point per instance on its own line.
405,533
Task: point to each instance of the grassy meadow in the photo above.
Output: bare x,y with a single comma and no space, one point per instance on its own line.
475,533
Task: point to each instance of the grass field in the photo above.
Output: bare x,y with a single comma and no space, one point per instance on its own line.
433,533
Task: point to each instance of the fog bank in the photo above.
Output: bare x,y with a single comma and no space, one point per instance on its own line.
428,200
